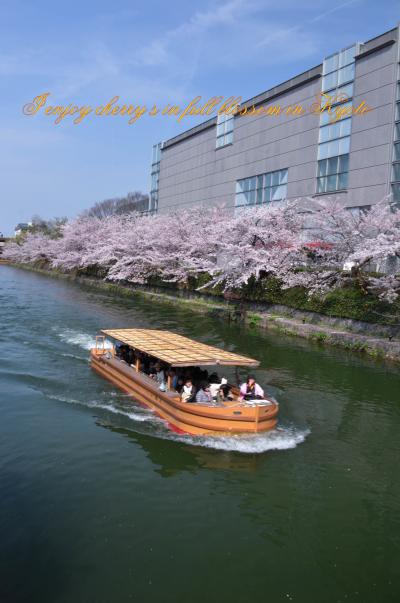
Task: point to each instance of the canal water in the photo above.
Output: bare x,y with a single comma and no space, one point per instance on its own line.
100,503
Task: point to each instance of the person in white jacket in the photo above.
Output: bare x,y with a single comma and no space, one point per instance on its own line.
216,387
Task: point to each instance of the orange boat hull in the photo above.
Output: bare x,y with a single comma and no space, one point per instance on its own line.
198,419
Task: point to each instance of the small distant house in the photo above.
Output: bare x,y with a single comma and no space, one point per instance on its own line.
2,242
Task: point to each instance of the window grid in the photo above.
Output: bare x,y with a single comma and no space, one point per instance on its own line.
334,138
333,174
395,179
155,176
264,188
224,129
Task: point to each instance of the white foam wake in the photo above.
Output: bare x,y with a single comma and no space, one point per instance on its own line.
282,438
141,415
83,340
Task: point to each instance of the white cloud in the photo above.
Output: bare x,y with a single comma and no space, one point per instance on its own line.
232,34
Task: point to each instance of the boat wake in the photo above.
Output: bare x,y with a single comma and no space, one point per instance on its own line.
281,438
137,414
83,340
75,357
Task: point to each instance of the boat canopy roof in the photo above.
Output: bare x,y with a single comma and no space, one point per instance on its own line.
177,350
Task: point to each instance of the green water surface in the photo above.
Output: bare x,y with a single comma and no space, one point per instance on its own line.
99,502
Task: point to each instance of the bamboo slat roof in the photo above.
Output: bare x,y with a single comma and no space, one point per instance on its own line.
177,350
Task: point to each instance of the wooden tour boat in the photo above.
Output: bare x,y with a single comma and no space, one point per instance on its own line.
234,416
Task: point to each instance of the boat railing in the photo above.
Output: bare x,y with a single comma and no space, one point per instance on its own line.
101,348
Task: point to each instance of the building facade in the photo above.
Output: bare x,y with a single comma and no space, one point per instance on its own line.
243,160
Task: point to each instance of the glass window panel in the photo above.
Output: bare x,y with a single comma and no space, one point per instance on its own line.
323,151
332,165
336,171
344,146
274,193
396,156
156,153
329,81
330,149
240,199
267,194
278,192
328,115
398,91
343,113
154,181
347,56
344,92
345,127
325,118
397,132
331,183
262,188
397,111
275,178
342,181
229,124
246,184
346,74
324,133
396,172
343,163
396,192
283,177
268,179
321,184
224,129
330,64
282,191
322,165
336,130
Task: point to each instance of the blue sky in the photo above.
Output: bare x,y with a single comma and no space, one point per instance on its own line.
147,53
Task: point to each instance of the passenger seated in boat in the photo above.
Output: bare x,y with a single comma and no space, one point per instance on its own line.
172,377
144,361
251,390
131,357
119,350
159,373
179,384
188,393
203,393
216,386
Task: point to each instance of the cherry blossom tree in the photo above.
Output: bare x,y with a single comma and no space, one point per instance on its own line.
305,243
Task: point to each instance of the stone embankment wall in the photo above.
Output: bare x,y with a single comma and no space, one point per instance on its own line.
380,341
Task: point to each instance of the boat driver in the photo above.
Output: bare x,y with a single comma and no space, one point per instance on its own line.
251,390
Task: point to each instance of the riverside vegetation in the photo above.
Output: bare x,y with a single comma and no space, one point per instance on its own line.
292,255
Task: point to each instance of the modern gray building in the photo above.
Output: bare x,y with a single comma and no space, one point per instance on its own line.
241,160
